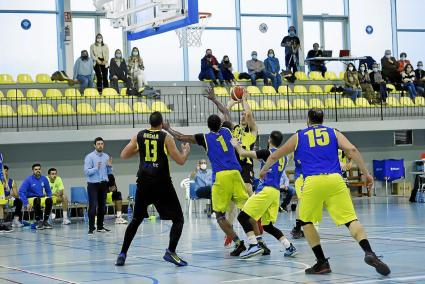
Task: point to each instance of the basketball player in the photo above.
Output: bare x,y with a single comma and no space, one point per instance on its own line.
265,203
228,184
299,181
317,148
154,184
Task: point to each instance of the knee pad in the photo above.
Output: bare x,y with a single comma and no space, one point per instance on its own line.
243,217
305,223
348,223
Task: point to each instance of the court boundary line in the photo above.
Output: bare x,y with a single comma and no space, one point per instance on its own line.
38,274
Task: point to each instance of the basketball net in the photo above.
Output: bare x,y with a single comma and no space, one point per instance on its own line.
192,35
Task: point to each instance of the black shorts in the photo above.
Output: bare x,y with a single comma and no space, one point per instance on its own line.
248,173
162,195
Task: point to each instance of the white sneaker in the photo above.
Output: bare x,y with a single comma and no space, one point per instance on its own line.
16,224
66,221
120,220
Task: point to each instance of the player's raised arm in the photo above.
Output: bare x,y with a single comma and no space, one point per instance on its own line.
130,149
248,115
179,136
175,154
241,151
223,109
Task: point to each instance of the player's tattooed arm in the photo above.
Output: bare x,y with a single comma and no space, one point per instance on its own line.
241,151
179,136
222,108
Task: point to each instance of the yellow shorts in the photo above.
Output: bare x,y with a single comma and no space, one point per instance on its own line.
298,186
264,205
109,198
43,201
331,191
228,186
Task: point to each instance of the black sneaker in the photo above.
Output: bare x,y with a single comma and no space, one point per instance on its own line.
47,225
239,248
373,260
321,267
5,229
267,251
91,232
40,225
121,259
103,230
297,234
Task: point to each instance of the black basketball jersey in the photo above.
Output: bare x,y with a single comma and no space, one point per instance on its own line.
153,157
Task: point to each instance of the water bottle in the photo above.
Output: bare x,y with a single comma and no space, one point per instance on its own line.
86,216
129,213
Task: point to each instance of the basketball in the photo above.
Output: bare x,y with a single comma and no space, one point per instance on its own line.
237,93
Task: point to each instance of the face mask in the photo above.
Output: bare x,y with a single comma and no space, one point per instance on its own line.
403,58
350,68
271,55
226,60
254,57
375,69
362,68
99,40
291,33
84,56
420,67
135,53
408,70
203,167
388,55
118,55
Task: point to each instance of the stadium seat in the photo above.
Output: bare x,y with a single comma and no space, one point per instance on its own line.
316,103
46,109
315,89
15,95
237,107
328,89
329,75
268,105
341,75
72,93
299,104
6,79
283,104
330,103
91,93
109,92
104,108
34,94
26,110
141,107
65,109
362,102
346,103
53,94
269,90
283,90
43,79
406,101
221,92
2,96
392,87
393,102
123,108
123,92
253,105
316,75
7,110
300,75
85,108
24,79
420,101
300,89
160,106
253,91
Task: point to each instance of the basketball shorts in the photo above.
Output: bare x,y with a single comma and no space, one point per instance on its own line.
228,186
298,186
43,200
329,191
263,205
248,173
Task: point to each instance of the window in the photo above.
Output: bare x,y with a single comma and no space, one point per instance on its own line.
410,14
331,7
334,41
415,52
311,35
111,36
49,5
223,12
266,7
30,51
83,30
82,5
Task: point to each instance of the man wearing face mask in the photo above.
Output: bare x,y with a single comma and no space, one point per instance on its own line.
83,71
209,69
292,45
402,62
100,54
256,69
118,71
378,83
420,79
316,65
390,68
273,68
203,179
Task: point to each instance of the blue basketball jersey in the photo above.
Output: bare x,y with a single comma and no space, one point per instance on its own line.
298,169
274,174
317,150
221,152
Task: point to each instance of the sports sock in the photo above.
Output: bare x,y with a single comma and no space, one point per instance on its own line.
252,240
259,238
365,245
318,252
285,242
16,218
65,214
118,214
236,240
298,225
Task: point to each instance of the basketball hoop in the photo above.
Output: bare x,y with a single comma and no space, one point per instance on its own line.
192,35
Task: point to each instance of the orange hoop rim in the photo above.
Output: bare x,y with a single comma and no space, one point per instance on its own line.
204,15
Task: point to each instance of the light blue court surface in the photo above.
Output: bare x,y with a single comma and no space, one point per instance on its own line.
66,254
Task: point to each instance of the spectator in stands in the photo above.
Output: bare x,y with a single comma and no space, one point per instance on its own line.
118,71
366,85
11,194
292,44
210,69
352,84
378,83
408,77
256,69
273,68
227,70
316,65
136,69
202,177
116,197
99,51
289,191
35,188
58,193
420,79
390,68
402,62
83,71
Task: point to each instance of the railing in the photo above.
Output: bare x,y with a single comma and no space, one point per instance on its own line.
188,107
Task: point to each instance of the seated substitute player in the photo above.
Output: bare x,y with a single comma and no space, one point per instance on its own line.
114,196
264,204
228,184
58,193
317,148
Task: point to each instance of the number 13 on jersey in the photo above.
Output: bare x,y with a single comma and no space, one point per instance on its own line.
151,150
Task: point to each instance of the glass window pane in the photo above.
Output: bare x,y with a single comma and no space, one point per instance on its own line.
111,36
415,52
410,14
266,7
334,41
223,12
331,7
311,35
28,5
226,45
23,51
254,39
82,5
83,30
162,57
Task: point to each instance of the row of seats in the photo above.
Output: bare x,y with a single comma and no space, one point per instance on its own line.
83,108
36,94
301,75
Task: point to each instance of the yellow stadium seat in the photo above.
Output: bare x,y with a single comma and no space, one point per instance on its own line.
53,94
85,108
46,109
316,75
330,103
346,103
160,106
72,93
406,101
315,89
300,89
317,103
420,101
253,91
91,93
123,92
299,104
7,110
283,90
329,75
328,89
123,108
283,104
393,102
268,105
34,94
2,96
15,95
362,102
26,110
141,107
109,92
341,75
6,79
65,109
253,105
104,108
392,87
269,90
43,79
300,75
221,92
24,79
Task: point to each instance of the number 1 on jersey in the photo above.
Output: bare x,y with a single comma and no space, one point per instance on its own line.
151,150
223,143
